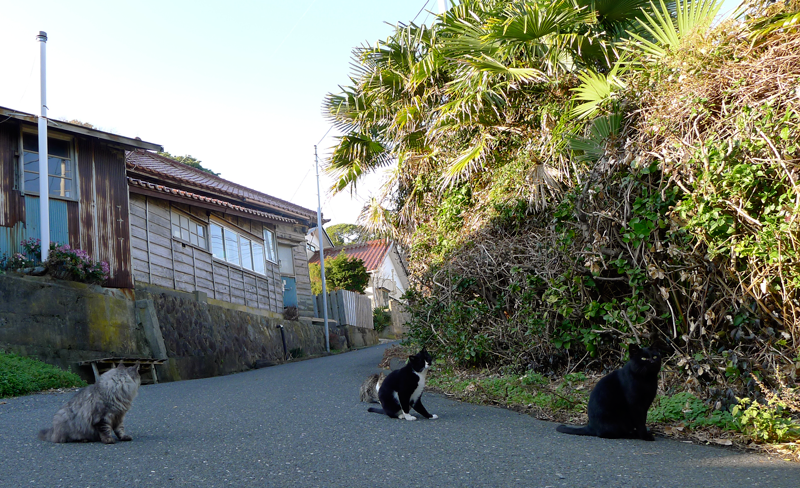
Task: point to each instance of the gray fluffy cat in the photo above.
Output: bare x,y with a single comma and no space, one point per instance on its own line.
97,410
370,387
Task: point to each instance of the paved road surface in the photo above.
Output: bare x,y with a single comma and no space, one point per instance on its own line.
301,424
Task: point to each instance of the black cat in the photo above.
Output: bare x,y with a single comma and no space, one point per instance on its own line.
618,403
402,389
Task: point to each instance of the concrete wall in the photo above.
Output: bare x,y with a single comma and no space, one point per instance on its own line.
62,322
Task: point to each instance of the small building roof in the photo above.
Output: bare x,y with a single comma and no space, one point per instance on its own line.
125,142
372,253
155,187
167,170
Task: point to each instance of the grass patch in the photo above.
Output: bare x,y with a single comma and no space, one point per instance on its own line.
772,427
561,398
21,375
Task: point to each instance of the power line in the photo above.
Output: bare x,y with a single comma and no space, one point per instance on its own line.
420,10
294,27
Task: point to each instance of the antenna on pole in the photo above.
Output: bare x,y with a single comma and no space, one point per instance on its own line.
322,256
44,191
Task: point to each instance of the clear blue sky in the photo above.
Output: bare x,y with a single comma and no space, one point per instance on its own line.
238,85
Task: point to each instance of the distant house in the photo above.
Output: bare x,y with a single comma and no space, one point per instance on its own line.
312,241
385,265
193,231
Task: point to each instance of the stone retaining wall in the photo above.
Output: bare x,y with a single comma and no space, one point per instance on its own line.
62,322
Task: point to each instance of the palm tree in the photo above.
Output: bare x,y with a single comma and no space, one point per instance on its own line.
448,103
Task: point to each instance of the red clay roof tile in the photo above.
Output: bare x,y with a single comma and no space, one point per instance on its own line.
194,196
371,252
160,166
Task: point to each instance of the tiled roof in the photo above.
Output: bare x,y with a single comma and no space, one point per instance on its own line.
194,196
371,252
152,163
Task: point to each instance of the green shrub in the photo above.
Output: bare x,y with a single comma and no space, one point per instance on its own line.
21,375
381,319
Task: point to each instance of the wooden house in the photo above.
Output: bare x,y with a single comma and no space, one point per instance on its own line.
193,231
88,198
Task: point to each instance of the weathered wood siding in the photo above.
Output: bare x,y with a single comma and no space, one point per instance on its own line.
160,259
287,234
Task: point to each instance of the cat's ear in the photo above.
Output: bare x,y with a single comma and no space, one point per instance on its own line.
121,365
634,349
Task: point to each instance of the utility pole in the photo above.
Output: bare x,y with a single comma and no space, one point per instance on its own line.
443,6
322,257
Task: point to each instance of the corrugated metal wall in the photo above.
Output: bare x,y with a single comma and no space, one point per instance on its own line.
113,232
11,205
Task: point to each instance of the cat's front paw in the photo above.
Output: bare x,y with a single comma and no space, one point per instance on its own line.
107,440
434,417
409,417
126,438
648,437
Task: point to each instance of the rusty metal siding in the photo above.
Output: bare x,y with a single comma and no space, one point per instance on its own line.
112,213
11,204
85,213
73,228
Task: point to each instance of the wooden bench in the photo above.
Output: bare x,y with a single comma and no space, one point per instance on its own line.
106,364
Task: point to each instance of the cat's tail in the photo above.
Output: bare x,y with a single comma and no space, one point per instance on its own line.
376,410
46,434
566,429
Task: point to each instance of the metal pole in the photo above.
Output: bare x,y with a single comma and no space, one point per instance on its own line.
443,6
44,192
322,257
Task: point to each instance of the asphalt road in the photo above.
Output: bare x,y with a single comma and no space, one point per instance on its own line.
301,424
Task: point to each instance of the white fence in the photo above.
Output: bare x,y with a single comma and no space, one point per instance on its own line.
346,308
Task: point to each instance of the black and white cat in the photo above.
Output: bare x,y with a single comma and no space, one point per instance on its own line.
619,402
402,389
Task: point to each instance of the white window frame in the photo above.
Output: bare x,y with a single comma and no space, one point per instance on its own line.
192,224
72,170
228,233
270,246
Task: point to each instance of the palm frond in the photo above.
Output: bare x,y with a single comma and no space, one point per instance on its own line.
668,32
596,89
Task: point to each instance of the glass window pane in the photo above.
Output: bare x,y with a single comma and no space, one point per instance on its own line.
217,246
247,258
201,231
30,142
56,147
30,161
184,223
286,262
269,243
193,239
58,167
201,242
258,258
184,234
32,182
60,187
176,229
231,246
